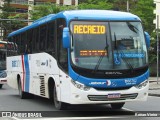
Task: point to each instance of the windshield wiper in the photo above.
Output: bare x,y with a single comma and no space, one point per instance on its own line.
101,57
120,53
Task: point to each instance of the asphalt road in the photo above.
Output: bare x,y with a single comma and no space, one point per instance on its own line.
10,101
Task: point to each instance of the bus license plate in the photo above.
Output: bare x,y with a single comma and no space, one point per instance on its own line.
117,95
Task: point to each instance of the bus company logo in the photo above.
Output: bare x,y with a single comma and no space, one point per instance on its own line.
108,82
130,81
97,83
16,63
45,63
114,84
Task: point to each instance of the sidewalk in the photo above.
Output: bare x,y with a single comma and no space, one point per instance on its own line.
154,88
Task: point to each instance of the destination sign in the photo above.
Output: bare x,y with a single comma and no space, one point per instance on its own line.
93,53
89,29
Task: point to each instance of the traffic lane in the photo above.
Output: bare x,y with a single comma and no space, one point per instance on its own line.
152,104
10,101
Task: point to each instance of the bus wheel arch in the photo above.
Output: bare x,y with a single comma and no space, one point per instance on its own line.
51,84
19,83
18,78
53,95
22,94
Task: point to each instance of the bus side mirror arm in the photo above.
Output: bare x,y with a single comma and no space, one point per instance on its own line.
66,38
147,38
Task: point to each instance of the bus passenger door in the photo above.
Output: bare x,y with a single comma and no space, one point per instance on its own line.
62,56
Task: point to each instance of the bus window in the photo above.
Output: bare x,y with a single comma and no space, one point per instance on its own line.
43,37
29,42
35,40
51,38
22,44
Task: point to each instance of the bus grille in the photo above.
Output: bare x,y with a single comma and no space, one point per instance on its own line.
42,86
105,97
106,89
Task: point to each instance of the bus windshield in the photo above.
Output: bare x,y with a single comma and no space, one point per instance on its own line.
108,45
2,60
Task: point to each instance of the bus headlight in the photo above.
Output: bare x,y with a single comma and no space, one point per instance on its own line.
80,85
142,84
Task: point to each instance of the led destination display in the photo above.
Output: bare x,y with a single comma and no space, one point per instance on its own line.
89,29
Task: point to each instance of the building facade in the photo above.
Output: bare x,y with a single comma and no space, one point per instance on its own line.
157,13
23,7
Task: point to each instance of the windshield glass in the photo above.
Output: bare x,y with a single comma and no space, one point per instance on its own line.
108,45
2,60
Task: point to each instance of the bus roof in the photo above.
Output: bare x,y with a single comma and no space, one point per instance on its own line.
81,15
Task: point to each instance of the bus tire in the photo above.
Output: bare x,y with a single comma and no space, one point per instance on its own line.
21,93
58,104
1,86
117,105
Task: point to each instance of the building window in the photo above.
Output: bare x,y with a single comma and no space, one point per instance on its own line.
73,2
61,2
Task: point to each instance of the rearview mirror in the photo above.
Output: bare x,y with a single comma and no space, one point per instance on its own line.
66,38
147,38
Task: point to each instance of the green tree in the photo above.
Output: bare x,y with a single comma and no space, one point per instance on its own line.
43,10
95,4
144,9
7,23
6,9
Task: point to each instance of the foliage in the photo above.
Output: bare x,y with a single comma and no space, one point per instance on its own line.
8,12
96,4
144,9
43,10
6,9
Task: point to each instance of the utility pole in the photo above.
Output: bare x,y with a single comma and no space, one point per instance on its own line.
127,5
157,48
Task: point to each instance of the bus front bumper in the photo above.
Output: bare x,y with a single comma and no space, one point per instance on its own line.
3,80
93,96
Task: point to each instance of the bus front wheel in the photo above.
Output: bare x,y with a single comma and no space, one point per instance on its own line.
58,104
1,86
117,105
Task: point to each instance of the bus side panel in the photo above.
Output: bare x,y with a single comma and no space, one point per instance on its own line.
42,67
14,67
65,87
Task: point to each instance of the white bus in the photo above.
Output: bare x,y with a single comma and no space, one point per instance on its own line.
81,57
4,46
3,52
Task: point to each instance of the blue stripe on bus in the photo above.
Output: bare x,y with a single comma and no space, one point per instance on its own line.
27,73
109,83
